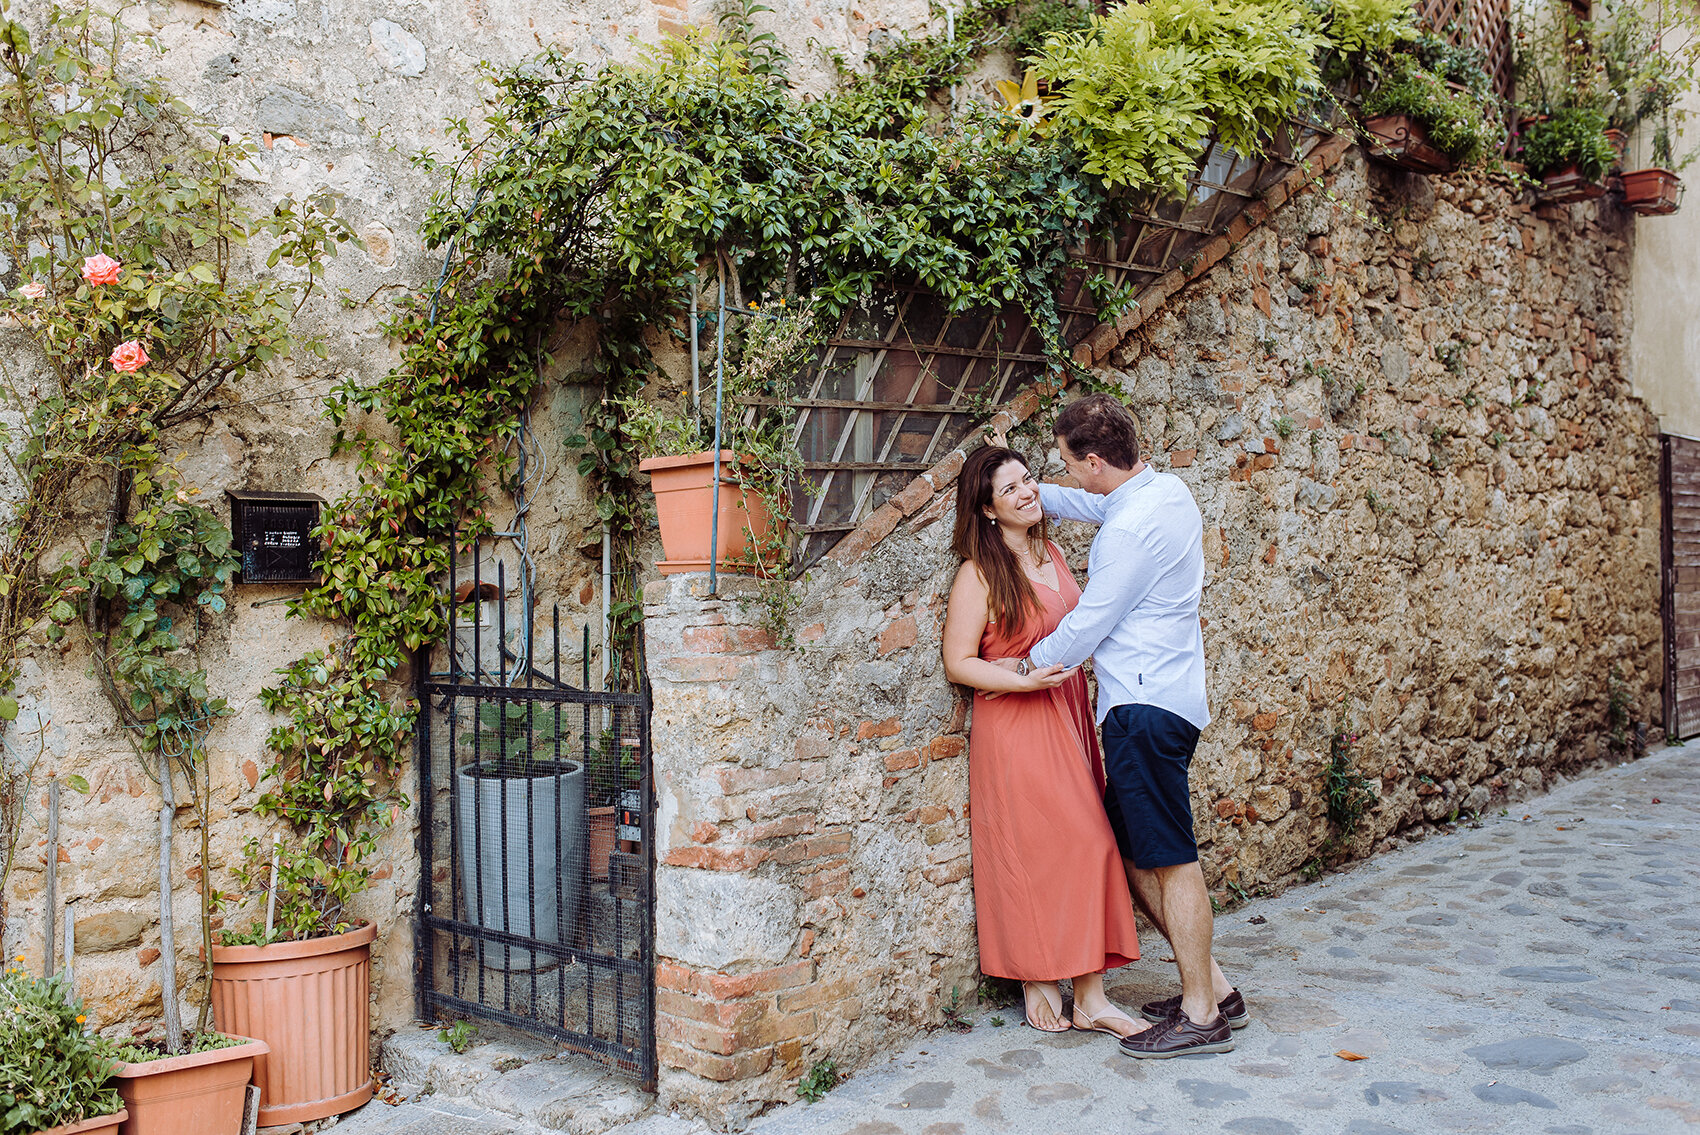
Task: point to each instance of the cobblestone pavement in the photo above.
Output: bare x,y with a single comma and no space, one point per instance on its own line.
1537,973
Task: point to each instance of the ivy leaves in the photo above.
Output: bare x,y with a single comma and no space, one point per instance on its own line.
170,556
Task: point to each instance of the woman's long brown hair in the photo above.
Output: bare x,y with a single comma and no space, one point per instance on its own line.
1010,595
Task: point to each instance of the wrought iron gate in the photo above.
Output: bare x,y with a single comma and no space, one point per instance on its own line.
536,894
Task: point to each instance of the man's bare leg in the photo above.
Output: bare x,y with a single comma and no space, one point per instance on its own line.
1148,895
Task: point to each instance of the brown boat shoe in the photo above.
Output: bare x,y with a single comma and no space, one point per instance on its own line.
1178,1036
1232,1007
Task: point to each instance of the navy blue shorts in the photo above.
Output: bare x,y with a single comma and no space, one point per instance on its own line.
1146,754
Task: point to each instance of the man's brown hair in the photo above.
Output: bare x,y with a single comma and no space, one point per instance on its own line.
1100,424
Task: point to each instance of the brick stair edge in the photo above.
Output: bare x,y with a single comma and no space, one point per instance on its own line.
1092,348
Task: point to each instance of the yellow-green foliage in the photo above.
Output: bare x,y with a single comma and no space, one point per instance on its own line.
1142,91
1364,26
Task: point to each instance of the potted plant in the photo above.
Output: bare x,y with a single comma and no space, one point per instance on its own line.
303,954
519,825
1570,153
163,563
1414,119
54,1077
1568,102
1650,65
757,461
199,1091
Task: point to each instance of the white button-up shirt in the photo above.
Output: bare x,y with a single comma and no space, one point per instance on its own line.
1137,619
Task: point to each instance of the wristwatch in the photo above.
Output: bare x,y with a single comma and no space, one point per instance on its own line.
1022,667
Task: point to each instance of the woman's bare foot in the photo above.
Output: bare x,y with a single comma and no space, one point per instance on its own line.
1095,1011
1043,1003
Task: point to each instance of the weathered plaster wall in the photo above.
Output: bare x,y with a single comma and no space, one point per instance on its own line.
1430,506
338,93
1665,347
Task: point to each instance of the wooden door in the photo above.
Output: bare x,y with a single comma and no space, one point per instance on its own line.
1679,482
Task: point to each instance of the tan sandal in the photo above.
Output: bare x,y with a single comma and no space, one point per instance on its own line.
1102,1022
1047,994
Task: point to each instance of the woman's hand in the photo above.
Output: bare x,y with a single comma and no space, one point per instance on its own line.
964,627
1044,678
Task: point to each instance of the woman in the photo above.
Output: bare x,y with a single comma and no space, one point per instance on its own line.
1049,892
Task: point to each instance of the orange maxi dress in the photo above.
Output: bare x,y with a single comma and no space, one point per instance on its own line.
1050,897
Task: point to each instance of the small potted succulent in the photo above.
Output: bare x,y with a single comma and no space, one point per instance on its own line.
55,1078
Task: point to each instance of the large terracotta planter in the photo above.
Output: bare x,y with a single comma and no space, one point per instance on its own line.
309,1001
1652,192
98,1125
1401,140
684,504
201,1093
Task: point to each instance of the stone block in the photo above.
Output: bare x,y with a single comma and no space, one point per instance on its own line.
396,49
717,920
110,930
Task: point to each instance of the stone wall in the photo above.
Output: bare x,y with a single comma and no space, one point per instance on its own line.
1431,519
337,93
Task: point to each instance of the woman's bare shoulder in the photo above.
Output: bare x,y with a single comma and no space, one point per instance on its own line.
969,579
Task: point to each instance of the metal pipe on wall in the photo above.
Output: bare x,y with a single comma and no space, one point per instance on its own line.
719,392
607,598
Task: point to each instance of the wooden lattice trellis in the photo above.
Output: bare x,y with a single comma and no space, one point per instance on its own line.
1477,23
903,380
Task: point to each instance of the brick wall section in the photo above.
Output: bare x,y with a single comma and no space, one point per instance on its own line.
1431,514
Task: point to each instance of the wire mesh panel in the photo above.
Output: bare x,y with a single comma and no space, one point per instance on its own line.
536,895
903,380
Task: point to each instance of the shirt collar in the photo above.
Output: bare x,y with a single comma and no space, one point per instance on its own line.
1124,492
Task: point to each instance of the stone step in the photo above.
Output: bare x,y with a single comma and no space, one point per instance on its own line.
505,1082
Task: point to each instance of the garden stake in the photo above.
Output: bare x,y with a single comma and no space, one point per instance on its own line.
52,873
271,892
70,943
696,384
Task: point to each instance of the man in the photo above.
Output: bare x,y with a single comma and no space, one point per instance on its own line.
1138,621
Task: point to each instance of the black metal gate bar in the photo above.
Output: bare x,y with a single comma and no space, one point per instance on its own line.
507,769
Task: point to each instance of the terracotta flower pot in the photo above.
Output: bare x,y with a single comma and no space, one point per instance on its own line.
1652,192
309,1001
98,1125
1401,140
600,833
684,504
200,1093
1619,140
1567,184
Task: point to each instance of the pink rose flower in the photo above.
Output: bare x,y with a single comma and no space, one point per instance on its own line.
33,290
101,269
129,357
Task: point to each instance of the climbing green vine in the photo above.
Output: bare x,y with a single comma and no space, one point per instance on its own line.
604,199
